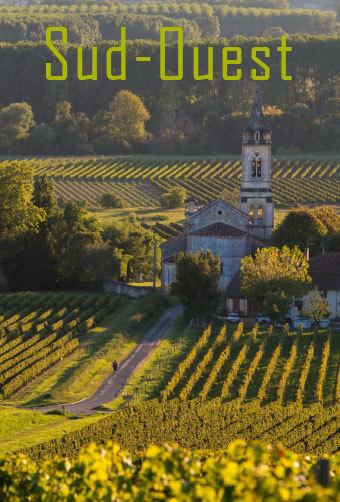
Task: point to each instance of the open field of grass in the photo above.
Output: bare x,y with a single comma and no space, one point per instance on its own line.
19,428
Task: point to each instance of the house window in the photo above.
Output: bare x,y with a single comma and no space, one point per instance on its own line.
257,136
221,266
169,276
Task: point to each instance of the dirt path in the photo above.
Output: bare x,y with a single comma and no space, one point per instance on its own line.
114,383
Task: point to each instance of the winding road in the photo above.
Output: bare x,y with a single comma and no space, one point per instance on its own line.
114,383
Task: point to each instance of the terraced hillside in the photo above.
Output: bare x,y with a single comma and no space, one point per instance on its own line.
139,181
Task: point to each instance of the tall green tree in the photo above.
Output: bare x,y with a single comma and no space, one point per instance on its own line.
132,246
71,129
18,213
123,121
16,120
196,284
316,227
274,277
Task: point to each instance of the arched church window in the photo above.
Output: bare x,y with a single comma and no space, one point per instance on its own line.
251,212
260,212
253,167
256,166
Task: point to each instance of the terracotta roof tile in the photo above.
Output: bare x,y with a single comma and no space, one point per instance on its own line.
219,229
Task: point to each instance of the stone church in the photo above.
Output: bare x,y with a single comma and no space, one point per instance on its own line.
230,232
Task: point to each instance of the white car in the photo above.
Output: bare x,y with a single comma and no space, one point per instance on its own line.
261,319
233,317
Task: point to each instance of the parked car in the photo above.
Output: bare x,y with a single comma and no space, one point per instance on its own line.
233,317
262,319
306,323
324,323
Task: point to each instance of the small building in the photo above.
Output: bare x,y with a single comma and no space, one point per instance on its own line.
325,272
231,232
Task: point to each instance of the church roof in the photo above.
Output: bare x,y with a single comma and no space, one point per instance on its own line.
219,229
257,121
213,202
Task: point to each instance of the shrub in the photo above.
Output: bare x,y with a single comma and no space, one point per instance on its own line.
109,200
174,198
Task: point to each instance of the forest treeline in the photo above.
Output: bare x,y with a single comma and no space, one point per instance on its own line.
187,116
93,23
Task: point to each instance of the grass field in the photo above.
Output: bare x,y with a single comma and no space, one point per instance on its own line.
18,427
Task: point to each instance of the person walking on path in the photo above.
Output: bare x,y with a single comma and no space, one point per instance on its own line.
115,365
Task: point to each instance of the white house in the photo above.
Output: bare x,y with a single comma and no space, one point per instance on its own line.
325,272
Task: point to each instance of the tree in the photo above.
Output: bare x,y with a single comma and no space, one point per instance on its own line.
274,32
196,284
42,140
71,129
44,195
274,277
132,246
174,198
110,200
299,228
317,226
76,231
123,121
18,213
316,306
15,122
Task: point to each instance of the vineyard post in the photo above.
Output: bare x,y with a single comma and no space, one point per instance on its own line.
322,474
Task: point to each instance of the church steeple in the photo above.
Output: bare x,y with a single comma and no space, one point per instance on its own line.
256,196
257,131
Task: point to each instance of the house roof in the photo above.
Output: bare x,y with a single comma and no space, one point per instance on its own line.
325,271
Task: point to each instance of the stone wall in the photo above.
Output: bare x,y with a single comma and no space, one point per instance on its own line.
122,288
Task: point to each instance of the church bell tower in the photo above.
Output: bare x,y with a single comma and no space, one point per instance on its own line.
256,197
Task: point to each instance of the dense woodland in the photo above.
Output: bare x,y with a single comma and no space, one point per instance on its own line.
186,116
95,23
